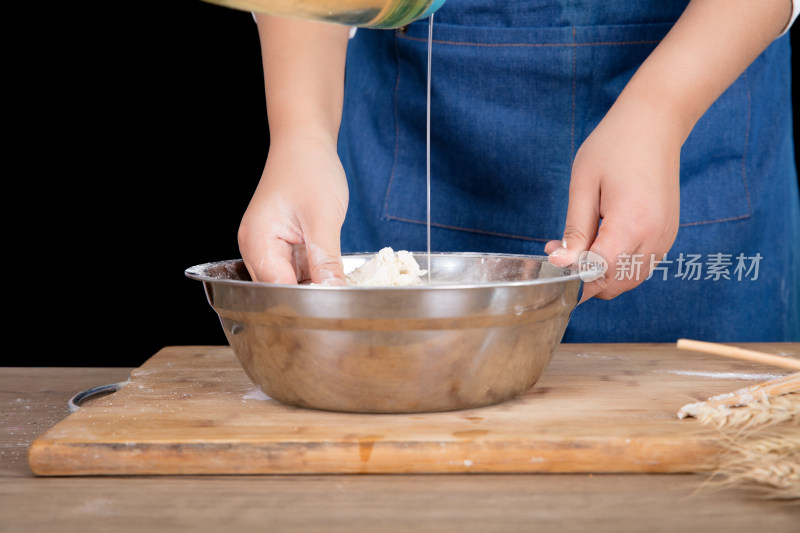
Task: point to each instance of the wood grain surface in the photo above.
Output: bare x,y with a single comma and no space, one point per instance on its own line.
191,410
34,399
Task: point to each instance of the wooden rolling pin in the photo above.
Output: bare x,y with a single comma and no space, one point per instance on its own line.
739,353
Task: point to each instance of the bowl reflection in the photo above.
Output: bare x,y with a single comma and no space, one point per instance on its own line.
481,333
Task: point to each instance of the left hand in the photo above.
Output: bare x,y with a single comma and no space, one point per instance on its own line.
627,171
627,174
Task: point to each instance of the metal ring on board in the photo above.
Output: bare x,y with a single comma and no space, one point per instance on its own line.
75,402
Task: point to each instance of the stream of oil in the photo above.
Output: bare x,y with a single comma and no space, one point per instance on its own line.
428,148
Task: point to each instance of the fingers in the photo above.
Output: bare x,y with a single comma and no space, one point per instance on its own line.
613,244
273,259
282,246
269,260
581,226
622,242
318,265
552,246
631,246
267,235
324,258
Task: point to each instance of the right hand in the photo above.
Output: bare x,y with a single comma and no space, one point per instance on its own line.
291,228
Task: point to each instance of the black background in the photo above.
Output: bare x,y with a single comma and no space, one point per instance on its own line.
140,135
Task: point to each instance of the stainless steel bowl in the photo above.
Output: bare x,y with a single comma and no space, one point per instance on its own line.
482,333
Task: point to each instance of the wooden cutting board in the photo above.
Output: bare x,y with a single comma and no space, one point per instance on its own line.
597,408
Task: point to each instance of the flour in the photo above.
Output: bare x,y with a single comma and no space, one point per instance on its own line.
601,357
388,268
726,375
256,394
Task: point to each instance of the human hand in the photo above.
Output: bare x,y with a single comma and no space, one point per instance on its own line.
627,171
627,174
290,230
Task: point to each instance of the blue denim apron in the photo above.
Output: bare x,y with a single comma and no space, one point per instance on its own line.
517,86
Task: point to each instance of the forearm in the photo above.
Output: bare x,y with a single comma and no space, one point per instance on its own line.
711,44
303,76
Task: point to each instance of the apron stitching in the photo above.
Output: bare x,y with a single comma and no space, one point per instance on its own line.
497,45
746,142
396,132
572,132
470,230
729,219
744,166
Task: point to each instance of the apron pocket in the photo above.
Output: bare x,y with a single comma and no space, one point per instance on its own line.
509,108
500,152
714,160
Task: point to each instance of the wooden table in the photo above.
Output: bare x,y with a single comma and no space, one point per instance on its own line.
33,399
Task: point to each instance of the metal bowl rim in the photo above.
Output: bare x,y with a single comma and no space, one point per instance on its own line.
193,273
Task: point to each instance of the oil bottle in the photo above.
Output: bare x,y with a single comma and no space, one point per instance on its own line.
363,13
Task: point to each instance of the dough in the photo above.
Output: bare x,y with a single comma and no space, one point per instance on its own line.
388,268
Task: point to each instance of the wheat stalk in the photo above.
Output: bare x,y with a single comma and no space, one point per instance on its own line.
768,463
758,423
765,412
763,444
